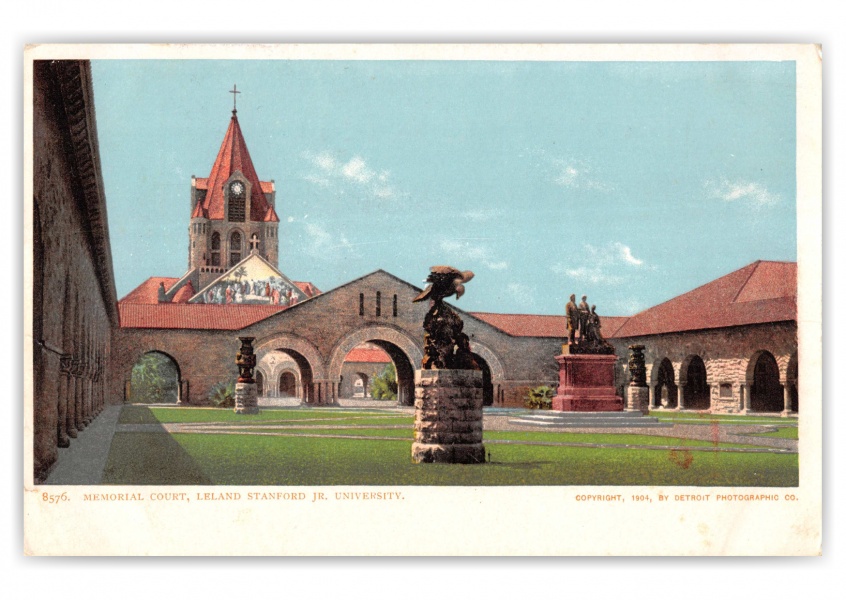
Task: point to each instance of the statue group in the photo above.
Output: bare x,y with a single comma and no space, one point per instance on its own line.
583,320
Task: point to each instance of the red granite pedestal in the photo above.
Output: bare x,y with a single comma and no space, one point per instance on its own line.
586,384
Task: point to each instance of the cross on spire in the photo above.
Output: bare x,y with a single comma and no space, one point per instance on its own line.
234,91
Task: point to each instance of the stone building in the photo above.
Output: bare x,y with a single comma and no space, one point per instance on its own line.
74,306
729,346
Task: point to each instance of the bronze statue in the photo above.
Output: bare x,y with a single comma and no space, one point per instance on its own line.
446,346
444,282
587,322
584,313
572,312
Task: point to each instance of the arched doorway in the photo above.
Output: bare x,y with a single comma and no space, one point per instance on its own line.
697,392
402,351
361,386
155,379
766,393
665,390
487,381
259,383
287,384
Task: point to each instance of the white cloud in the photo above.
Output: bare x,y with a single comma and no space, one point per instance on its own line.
522,293
576,174
609,264
352,174
325,161
463,250
626,253
743,191
357,170
320,242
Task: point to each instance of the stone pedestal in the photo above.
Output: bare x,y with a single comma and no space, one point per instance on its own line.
637,399
246,399
586,383
448,417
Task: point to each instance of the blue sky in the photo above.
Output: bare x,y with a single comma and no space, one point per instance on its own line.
628,182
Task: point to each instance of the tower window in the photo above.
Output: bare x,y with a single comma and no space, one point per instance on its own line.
237,202
234,248
395,305
361,305
378,304
215,247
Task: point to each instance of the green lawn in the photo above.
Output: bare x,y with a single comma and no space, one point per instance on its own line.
787,433
704,418
526,436
152,415
209,458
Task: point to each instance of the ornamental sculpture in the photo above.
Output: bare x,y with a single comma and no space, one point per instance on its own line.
584,321
637,366
245,359
446,346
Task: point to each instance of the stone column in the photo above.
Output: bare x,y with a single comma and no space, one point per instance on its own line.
448,417
77,395
64,379
680,393
787,400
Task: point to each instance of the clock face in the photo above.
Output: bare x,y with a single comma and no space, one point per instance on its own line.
237,188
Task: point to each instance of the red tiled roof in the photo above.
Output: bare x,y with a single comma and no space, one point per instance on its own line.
233,156
185,293
308,288
763,292
367,355
542,325
194,316
148,292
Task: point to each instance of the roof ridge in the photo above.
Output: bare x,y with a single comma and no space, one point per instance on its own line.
757,264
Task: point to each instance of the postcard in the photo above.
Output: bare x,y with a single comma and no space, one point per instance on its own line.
386,299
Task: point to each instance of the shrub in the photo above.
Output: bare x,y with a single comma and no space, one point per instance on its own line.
384,385
222,394
539,398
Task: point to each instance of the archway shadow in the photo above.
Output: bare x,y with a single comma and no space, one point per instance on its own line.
150,455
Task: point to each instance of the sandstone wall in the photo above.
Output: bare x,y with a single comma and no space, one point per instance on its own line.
74,304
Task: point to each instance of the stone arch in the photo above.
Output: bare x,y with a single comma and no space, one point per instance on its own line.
261,382
694,381
288,383
792,380
663,383
288,341
763,378
405,354
315,388
176,387
492,373
365,382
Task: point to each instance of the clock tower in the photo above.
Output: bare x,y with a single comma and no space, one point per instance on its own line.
233,212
